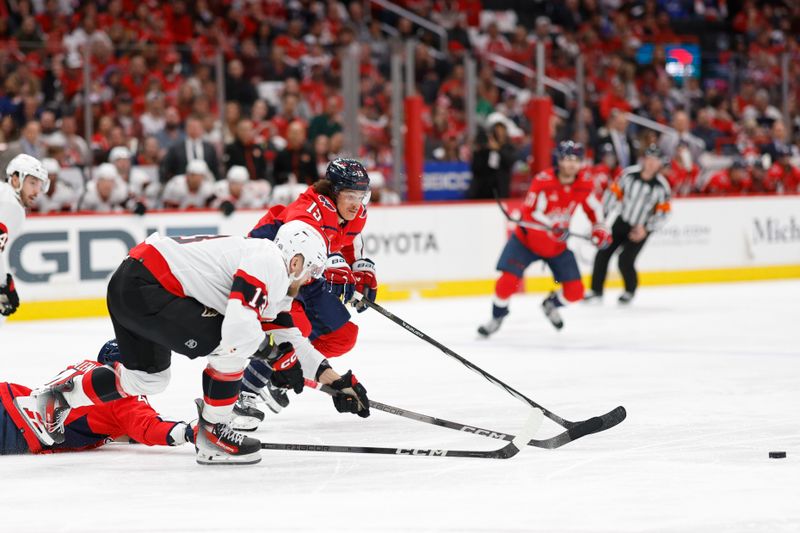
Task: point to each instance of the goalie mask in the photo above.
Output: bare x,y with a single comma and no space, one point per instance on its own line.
296,237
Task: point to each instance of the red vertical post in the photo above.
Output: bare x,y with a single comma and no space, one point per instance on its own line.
415,147
540,108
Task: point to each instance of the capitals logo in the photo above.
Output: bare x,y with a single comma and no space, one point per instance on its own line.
326,203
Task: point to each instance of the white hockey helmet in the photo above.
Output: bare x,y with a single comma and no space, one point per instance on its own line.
296,237
27,165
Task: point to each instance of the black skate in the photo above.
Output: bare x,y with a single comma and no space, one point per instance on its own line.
246,416
593,298
550,307
625,298
219,444
275,397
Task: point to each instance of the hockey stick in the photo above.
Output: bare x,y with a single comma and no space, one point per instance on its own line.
506,452
584,427
534,225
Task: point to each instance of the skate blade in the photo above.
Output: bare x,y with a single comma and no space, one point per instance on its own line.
28,408
228,460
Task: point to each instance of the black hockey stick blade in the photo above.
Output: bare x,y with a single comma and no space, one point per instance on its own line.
580,429
506,452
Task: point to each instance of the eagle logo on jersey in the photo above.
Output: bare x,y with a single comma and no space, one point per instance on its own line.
326,203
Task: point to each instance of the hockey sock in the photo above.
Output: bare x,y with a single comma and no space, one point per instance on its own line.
337,342
256,376
220,391
506,286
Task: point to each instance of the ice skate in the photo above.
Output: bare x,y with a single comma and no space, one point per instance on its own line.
625,298
498,314
275,397
52,409
591,297
550,307
246,416
219,444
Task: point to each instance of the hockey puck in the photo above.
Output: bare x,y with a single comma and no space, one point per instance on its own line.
777,455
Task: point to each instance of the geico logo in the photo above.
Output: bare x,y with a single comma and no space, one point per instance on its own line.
449,181
36,257
400,243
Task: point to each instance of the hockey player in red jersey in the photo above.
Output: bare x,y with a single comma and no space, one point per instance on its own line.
552,198
209,296
85,427
733,180
336,206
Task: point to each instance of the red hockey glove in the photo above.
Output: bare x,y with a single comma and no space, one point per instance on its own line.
559,231
339,277
601,237
286,370
353,398
366,283
9,301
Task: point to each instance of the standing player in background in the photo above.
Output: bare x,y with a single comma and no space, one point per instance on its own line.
642,197
27,179
207,296
86,427
552,198
336,206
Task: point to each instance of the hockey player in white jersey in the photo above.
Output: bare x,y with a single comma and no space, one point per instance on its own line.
208,296
27,179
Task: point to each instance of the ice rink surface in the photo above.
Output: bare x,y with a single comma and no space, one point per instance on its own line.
710,376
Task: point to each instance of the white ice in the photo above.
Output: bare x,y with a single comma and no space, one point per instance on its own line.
710,376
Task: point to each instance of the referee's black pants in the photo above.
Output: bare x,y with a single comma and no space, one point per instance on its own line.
626,260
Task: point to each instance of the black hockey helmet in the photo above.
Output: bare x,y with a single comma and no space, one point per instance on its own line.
109,353
347,174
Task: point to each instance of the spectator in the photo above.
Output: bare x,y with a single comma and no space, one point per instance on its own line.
76,151
60,196
238,191
29,143
732,180
379,192
328,122
153,120
194,189
761,110
237,88
296,159
149,152
172,132
606,171
616,135
682,171
322,150
192,147
777,143
491,164
106,192
783,174
705,129
669,141
245,152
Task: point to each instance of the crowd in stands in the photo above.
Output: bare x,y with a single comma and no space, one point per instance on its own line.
162,136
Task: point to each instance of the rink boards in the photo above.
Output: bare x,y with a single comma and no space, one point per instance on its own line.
62,262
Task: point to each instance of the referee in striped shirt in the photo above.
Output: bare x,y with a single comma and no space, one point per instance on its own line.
641,197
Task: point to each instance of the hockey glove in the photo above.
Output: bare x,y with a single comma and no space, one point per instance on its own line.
353,398
286,370
601,237
339,277
9,301
366,283
559,232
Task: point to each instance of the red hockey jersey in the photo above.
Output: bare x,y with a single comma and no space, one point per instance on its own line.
319,211
95,425
550,203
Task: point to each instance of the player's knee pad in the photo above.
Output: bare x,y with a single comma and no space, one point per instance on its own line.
228,363
572,290
507,285
337,342
139,382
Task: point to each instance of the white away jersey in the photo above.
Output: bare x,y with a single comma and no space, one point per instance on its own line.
244,279
12,216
